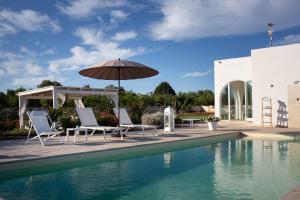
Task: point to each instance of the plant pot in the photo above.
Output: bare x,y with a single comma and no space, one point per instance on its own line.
212,126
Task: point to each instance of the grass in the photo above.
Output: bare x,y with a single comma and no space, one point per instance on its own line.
194,115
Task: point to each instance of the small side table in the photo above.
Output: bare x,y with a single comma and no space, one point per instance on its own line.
76,133
191,121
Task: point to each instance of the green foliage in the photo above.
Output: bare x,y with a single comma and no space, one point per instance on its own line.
13,134
185,100
99,102
54,114
67,117
12,98
107,119
164,88
213,119
122,90
3,100
8,124
46,83
153,119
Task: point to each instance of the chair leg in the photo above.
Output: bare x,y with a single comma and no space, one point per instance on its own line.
104,134
143,131
121,134
93,132
40,139
29,134
156,132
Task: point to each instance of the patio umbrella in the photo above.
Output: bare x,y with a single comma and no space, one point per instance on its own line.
118,70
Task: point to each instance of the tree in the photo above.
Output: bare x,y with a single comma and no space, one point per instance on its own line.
111,86
12,98
164,88
46,83
3,100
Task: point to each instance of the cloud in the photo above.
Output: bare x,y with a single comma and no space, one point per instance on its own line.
196,74
289,39
97,48
126,35
33,69
23,69
118,15
193,19
79,9
12,22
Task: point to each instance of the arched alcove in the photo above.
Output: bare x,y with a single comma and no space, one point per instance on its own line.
236,100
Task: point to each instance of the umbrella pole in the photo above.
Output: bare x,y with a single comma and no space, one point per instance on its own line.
119,96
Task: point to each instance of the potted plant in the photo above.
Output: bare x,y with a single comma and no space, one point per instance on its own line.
212,123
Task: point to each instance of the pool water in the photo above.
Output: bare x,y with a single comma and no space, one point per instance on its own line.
236,169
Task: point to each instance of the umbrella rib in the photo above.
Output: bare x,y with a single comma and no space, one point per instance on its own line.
129,72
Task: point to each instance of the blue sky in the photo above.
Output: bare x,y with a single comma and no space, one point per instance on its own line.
56,39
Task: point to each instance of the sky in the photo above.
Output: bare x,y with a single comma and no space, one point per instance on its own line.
55,39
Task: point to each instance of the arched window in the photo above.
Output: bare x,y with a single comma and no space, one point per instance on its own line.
236,100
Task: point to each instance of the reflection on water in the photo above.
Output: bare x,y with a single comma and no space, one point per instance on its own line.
236,169
260,168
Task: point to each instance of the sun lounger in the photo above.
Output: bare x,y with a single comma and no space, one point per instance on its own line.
126,122
88,121
39,121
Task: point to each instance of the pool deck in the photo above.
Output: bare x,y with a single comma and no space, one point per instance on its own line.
17,151
292,195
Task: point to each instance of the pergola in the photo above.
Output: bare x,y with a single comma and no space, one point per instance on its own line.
61,93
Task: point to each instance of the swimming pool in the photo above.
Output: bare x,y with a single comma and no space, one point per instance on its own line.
235,169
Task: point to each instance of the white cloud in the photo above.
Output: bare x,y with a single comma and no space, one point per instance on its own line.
97,48
289,39
34,81
196,74
33,69
22,68
118,15
126,35
48,52
85,8
192,19
12,22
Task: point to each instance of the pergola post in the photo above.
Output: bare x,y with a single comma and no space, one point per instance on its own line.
22,109
79,103
55,99
246,99
229,103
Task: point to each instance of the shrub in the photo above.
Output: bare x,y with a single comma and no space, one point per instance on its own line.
153,119
8,124
13,134
213,119
107,119
69,122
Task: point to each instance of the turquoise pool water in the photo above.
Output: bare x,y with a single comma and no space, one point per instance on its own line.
236,169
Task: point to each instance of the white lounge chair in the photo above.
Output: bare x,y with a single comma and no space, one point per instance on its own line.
39,121
88,121
126,122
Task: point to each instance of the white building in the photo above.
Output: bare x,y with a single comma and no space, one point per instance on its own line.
241,83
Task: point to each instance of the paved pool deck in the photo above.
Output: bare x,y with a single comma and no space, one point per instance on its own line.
17,151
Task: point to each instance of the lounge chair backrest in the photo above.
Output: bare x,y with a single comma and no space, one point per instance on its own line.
87,117
124,117
39,120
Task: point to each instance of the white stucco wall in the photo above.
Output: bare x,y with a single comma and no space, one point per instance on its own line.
278,66
229,70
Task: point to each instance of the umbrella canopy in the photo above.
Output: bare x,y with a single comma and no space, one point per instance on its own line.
118,70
